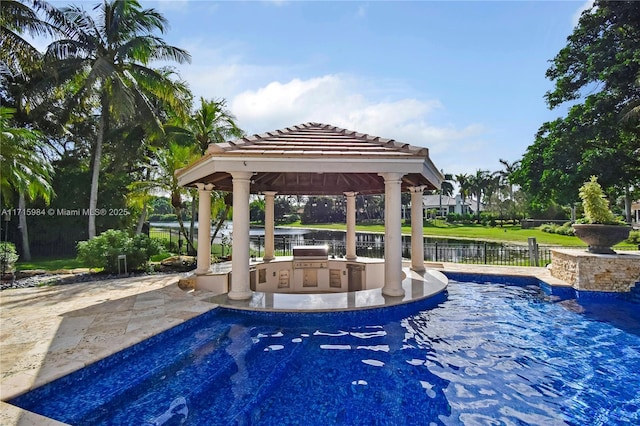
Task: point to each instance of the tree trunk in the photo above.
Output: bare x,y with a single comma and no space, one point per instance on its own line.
190,247
627,204
97,159
142,218
145,205
26,249
220,223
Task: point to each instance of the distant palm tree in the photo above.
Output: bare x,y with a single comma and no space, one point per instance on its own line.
104,61
477,186
506,175
463,180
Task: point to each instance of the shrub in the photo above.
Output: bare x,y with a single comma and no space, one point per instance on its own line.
634,237
454,217
553,228
487,218
170,217
103,250
8,257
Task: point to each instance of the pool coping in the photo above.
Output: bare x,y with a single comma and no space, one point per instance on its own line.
80,324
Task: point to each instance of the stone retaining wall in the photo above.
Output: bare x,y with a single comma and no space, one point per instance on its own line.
596,272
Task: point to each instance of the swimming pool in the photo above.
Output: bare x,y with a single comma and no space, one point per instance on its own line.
502,352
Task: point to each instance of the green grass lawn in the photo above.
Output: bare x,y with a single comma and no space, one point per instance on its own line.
508,233
50,264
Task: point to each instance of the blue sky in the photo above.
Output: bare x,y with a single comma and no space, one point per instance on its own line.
464,78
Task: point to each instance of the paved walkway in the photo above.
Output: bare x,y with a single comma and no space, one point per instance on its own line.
48,332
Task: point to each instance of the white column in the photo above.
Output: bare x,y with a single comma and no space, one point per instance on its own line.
204,228
392,235
351,225
417,233
240,249
269,228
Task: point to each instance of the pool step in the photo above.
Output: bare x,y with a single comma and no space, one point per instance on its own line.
101,394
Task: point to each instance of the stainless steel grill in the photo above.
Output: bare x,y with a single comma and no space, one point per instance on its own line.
310,257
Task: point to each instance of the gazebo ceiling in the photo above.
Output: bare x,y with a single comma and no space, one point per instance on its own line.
313,159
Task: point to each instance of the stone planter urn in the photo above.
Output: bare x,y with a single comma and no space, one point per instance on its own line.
601,238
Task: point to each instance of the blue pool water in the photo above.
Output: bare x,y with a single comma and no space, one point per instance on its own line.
498,353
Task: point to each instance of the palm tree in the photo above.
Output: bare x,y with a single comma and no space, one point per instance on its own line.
463,180
506,175
210,123
630,114
477,186
166,161
23,169
17,19
105,61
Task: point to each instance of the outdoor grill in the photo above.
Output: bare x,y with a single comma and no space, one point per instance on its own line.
310,257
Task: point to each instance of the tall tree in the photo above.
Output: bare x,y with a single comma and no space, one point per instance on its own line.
165,162
105,60
211,123
464,182
477,186
597,72
24,170
18,20
507,173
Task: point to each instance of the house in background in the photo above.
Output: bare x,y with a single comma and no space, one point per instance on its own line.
635,214
446,204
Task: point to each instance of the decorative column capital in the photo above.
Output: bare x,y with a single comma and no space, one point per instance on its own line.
420,189
391,176
204,186
269,193
350,193
241,175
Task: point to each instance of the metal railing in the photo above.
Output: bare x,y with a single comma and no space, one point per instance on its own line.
479,253
470,253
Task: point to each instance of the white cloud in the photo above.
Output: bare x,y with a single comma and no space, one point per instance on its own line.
576,16
167,7
220,71
338,100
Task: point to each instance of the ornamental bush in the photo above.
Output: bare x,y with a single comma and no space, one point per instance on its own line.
103,250
552,228
8,257
634,237
596,207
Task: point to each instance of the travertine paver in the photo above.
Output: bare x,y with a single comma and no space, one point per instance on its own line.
48,332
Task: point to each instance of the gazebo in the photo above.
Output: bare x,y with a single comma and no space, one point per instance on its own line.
312,159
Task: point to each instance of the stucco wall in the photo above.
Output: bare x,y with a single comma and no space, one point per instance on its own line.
596,272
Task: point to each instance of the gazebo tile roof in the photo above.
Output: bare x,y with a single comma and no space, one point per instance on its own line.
316,139
332,160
